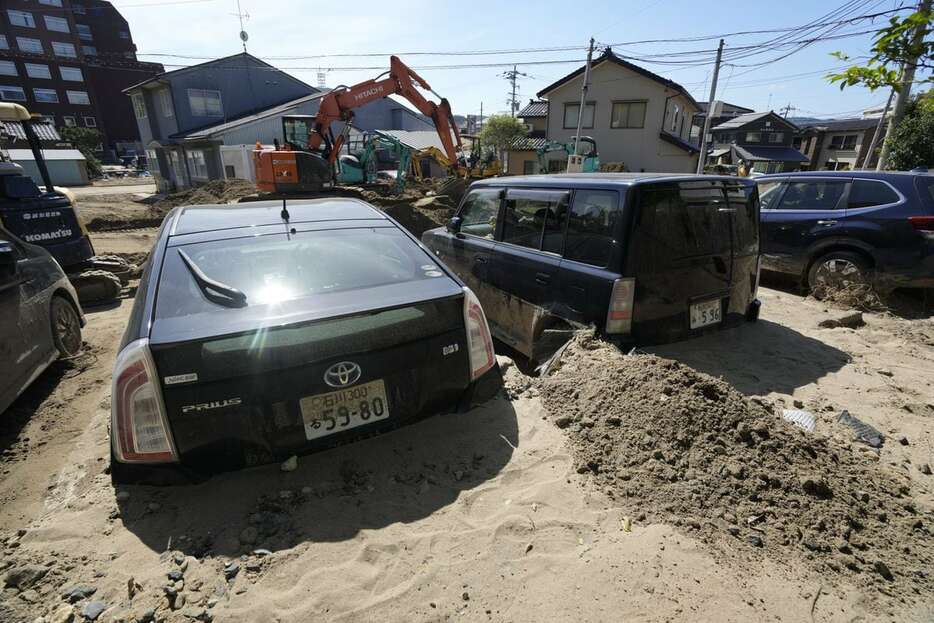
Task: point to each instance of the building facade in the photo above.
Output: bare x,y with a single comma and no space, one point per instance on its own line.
761,141
839,144
66,60
636,117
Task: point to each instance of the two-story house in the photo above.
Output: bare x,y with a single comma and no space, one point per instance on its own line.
636,117
761,140
522,158
839,144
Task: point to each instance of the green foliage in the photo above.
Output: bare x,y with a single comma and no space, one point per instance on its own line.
910,145
893,46
85,140
501,131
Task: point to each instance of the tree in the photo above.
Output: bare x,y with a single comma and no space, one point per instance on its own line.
500,132
87,141
910,144
905,39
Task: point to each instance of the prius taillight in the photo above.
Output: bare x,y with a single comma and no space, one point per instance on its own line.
619,315
139,427
479,341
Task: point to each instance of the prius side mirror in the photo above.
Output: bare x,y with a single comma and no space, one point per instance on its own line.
454,225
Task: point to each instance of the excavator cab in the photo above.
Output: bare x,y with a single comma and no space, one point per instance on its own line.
47,216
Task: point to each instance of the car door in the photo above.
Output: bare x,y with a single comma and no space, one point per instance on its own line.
525,265
466,246
591,256
809,210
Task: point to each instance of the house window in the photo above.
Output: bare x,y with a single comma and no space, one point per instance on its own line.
843,141
8,68
571,111
21,18
753,137
56,24
12,94
46,96
57,3
197,164
4,44
776,137
205,103
78,97
675,117
529,167
38,70
89,50
90,122
124,34
64,49
71,74
139,106
69,122
84,32
27,44
628,115
165,103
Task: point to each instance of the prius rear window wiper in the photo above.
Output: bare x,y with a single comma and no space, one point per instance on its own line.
214,291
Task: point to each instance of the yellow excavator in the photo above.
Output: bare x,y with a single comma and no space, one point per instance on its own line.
48,216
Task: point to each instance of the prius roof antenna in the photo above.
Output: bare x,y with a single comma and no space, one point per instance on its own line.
285,212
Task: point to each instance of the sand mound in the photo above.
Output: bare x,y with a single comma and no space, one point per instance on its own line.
676,445
215,191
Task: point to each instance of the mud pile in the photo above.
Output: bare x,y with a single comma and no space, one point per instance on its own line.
675,445
215,191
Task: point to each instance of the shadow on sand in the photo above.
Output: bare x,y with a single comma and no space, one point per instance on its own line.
401,476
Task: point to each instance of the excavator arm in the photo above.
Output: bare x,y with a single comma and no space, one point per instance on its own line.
338,105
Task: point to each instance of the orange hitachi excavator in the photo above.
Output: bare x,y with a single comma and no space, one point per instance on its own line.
310,167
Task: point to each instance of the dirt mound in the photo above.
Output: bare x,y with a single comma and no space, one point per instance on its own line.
676,445
215,191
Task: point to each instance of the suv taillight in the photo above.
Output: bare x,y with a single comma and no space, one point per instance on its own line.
619,315
139,427
479,342
924,224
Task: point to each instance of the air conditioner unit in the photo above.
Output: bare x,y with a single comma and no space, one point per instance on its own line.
528,127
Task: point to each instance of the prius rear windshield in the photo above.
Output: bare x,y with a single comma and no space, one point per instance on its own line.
272,269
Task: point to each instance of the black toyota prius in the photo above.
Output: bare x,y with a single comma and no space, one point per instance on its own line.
265,330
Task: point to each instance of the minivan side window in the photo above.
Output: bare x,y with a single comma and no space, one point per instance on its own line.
593,226
868,193
478,214
813,195
534,216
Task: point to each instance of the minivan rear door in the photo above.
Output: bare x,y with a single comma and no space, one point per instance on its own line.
680,254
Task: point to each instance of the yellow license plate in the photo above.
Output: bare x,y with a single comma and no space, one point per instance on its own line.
333,412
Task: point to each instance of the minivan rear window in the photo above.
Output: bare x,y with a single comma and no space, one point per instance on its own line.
593,227
682,220
277,268
745,218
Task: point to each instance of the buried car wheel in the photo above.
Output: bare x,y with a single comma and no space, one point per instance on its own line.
838,270
66,327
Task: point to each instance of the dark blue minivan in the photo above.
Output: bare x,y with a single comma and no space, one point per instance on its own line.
646,258
837,228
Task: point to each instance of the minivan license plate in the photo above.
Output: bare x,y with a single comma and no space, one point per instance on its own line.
706,313
333,412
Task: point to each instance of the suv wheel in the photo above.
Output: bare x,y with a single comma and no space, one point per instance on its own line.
838,270
66,327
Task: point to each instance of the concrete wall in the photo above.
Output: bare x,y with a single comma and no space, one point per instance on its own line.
640,149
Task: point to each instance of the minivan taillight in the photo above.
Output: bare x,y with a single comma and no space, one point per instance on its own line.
619,315
139,427
479,343
924,224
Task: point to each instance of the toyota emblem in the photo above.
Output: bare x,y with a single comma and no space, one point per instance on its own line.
342,374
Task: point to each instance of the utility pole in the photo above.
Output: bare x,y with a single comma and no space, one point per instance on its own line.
786,109
908,76
878,133
513,76
580,111
702,156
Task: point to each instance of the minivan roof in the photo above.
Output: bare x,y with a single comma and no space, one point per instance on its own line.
583,180
869,175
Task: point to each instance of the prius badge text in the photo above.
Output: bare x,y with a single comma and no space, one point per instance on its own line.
214,404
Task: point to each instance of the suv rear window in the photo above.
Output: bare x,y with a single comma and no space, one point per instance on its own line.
925,185
868,193
272,269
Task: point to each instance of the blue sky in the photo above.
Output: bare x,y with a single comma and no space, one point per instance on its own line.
303,28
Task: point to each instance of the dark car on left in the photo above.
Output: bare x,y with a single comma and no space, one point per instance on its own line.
40,318
264,330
